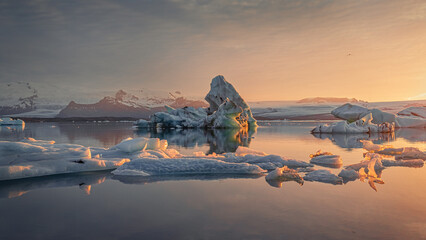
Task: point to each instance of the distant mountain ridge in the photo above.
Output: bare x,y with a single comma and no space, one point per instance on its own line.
330,100
126,105
35,99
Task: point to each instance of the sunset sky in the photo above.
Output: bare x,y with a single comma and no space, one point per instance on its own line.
269,50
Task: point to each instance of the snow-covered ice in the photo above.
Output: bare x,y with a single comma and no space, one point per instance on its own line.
326,159
10,121
408,118
177,166
416,163
325,176
413,112
32,158
350,112
363,125
348,175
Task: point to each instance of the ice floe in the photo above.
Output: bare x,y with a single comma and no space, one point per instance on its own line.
10,121
322,175
227,110
177,166
32,158
326,159
363,125
284,174
415,163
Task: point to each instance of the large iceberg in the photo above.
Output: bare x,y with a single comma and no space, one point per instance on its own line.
227,110
413,117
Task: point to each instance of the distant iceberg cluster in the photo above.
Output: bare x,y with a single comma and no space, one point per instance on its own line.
227,109
359,119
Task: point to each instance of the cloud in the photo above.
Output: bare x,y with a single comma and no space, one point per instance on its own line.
182,44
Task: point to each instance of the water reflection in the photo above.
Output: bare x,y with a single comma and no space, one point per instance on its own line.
218,140
354,140
17,188
186,177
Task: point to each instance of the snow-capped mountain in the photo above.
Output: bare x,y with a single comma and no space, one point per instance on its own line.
24,99
125,104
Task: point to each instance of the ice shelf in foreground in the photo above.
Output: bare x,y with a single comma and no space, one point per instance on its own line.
227,110
407,118
10,121
326,159
363,125
33,158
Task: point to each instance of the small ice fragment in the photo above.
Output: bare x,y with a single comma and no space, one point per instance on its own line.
325,176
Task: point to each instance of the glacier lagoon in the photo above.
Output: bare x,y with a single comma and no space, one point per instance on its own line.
101,205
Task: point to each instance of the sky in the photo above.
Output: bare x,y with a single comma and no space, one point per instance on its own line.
269,50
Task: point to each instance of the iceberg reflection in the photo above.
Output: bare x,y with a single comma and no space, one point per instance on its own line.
218,140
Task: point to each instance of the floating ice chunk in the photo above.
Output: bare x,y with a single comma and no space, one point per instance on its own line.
324,176
413,112
350,112
177,166
411,153
416,163
283,174
32,158
130,145
141,123
10,121
261,159
363,125
326,159
348,175
372,161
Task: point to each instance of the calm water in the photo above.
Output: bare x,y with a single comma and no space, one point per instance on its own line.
100,206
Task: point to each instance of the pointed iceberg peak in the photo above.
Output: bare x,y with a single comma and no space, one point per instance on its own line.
220,89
